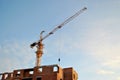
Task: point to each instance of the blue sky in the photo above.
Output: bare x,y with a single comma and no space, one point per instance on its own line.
90,43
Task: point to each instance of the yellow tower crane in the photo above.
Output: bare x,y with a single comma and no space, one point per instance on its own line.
39,44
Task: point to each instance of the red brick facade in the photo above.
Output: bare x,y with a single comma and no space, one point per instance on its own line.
50,72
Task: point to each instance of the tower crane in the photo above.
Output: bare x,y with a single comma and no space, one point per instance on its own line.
39,44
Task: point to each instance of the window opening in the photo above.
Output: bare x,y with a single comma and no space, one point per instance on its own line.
40,69
39,78
6,75
27,79
18,74
55,69
0,77
31,72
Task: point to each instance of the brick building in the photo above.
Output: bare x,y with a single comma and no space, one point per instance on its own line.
48,72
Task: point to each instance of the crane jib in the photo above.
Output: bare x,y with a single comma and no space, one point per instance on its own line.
63,23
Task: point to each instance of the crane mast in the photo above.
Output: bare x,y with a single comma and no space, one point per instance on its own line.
39,44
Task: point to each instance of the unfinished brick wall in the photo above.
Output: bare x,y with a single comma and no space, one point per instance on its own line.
6,76
70,74
50,72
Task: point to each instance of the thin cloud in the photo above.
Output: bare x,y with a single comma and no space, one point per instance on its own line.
118,78
114,63
105,72
15,55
